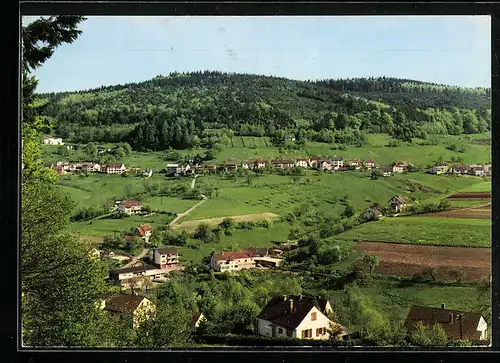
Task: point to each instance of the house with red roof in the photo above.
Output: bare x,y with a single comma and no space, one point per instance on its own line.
144,231
129,207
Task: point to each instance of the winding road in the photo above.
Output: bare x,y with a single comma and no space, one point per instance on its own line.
135,258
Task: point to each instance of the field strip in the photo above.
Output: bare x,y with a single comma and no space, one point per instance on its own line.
474,264
191,225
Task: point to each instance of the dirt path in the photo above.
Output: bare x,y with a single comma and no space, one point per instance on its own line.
191,225
136,258
183,214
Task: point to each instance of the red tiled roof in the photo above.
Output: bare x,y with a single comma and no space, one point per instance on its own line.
143,228
130,203
370,162
231,255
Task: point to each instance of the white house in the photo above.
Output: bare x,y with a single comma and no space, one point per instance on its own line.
302,162
139,307
129,207
325,165
147,173
239,260
439,168
113,168
297,317
397,203
398,167
130,276
52,141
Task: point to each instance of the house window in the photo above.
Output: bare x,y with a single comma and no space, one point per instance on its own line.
307,333
319,332
313,316
280,331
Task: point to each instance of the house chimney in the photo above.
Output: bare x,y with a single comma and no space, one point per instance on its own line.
291,305
451,318
442,306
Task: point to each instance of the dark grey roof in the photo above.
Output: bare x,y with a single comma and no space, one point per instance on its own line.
456,328
278,309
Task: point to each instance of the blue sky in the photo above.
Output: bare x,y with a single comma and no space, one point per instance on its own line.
111,50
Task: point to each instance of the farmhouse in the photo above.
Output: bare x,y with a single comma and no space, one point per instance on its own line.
129,207
313,162
52,141
302,162
172,169
228,165
336,162
283,164
397,203
487,170
355,163
238,260
297,317
165,257
476,170
144,231
113,168
147,173
325,165
369,164
386,171
458,325
134,276
439,168
459,169
246,164
139,307
259,163
398,167
91,167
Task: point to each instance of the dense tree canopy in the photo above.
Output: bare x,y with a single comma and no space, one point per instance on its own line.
182,110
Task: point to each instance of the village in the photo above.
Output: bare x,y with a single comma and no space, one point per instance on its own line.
304,317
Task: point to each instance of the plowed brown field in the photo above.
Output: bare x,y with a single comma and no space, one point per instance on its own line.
399,259
471,196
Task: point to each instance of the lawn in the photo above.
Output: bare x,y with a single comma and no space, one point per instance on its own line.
424,230
170,204
483,186
96,189
108,226
240,239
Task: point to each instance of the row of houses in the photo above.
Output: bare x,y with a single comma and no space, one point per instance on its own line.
330,163
64,167
311,317
461,169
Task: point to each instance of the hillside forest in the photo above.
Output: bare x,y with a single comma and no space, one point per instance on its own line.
185,110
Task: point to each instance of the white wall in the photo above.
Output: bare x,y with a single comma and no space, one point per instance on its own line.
321,322
482,326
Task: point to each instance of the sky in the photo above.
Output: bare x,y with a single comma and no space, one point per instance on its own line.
453,50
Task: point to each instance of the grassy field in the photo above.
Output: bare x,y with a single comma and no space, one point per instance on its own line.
484,186
108,226
257,237
466,203
424,230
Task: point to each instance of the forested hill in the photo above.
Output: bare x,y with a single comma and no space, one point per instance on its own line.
181,109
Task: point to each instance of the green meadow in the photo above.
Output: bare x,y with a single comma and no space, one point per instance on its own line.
424,230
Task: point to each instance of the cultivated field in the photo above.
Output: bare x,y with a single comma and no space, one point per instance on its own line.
448,263
471,196
424,231
191,225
